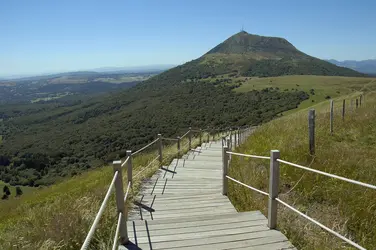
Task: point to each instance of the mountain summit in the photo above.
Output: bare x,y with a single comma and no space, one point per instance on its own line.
252,55
244,42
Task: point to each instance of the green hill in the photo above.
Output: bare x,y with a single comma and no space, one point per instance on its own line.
45,142
253,55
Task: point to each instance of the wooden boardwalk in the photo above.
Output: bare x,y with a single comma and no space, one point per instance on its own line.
181,207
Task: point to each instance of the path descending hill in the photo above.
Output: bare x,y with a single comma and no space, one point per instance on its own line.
181,207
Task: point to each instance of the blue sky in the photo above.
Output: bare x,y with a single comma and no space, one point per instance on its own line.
55,36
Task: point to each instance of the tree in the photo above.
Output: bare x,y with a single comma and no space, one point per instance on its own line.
6,190
18,191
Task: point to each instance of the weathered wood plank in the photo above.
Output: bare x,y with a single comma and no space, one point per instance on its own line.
181,207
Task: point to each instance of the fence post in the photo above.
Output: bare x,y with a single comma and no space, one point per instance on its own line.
351,104
128,153
224,170
178,146
200,137
235,138
331,116
239,140
311,131
343,109
190,138
208,136
273,189
119,193
213,131
356,103
360,100
160,148
230,145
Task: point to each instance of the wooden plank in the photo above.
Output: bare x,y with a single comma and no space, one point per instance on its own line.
189,211
271,243
202,228
215,239
179,197
140,225
199,218
198,235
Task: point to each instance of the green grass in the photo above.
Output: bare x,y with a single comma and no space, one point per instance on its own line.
333,86
349,152
59,216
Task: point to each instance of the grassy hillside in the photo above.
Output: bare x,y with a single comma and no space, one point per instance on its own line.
349,152
320,88
43,143
254,55
59,216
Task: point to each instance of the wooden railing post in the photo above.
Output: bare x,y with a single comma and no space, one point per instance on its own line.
311,131
178,146
213,131
160,148
360,100
223,141
224,170
343,109
208,136
200,137
119,193
239,140
190,138
356,103
235,138
230,145
273,189
331,116
129,166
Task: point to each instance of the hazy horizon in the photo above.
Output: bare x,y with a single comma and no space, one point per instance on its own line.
43,37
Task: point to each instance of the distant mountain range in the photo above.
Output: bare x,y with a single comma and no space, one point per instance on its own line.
112,70
365,66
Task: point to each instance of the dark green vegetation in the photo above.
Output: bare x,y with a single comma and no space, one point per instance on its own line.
44,142
50,87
